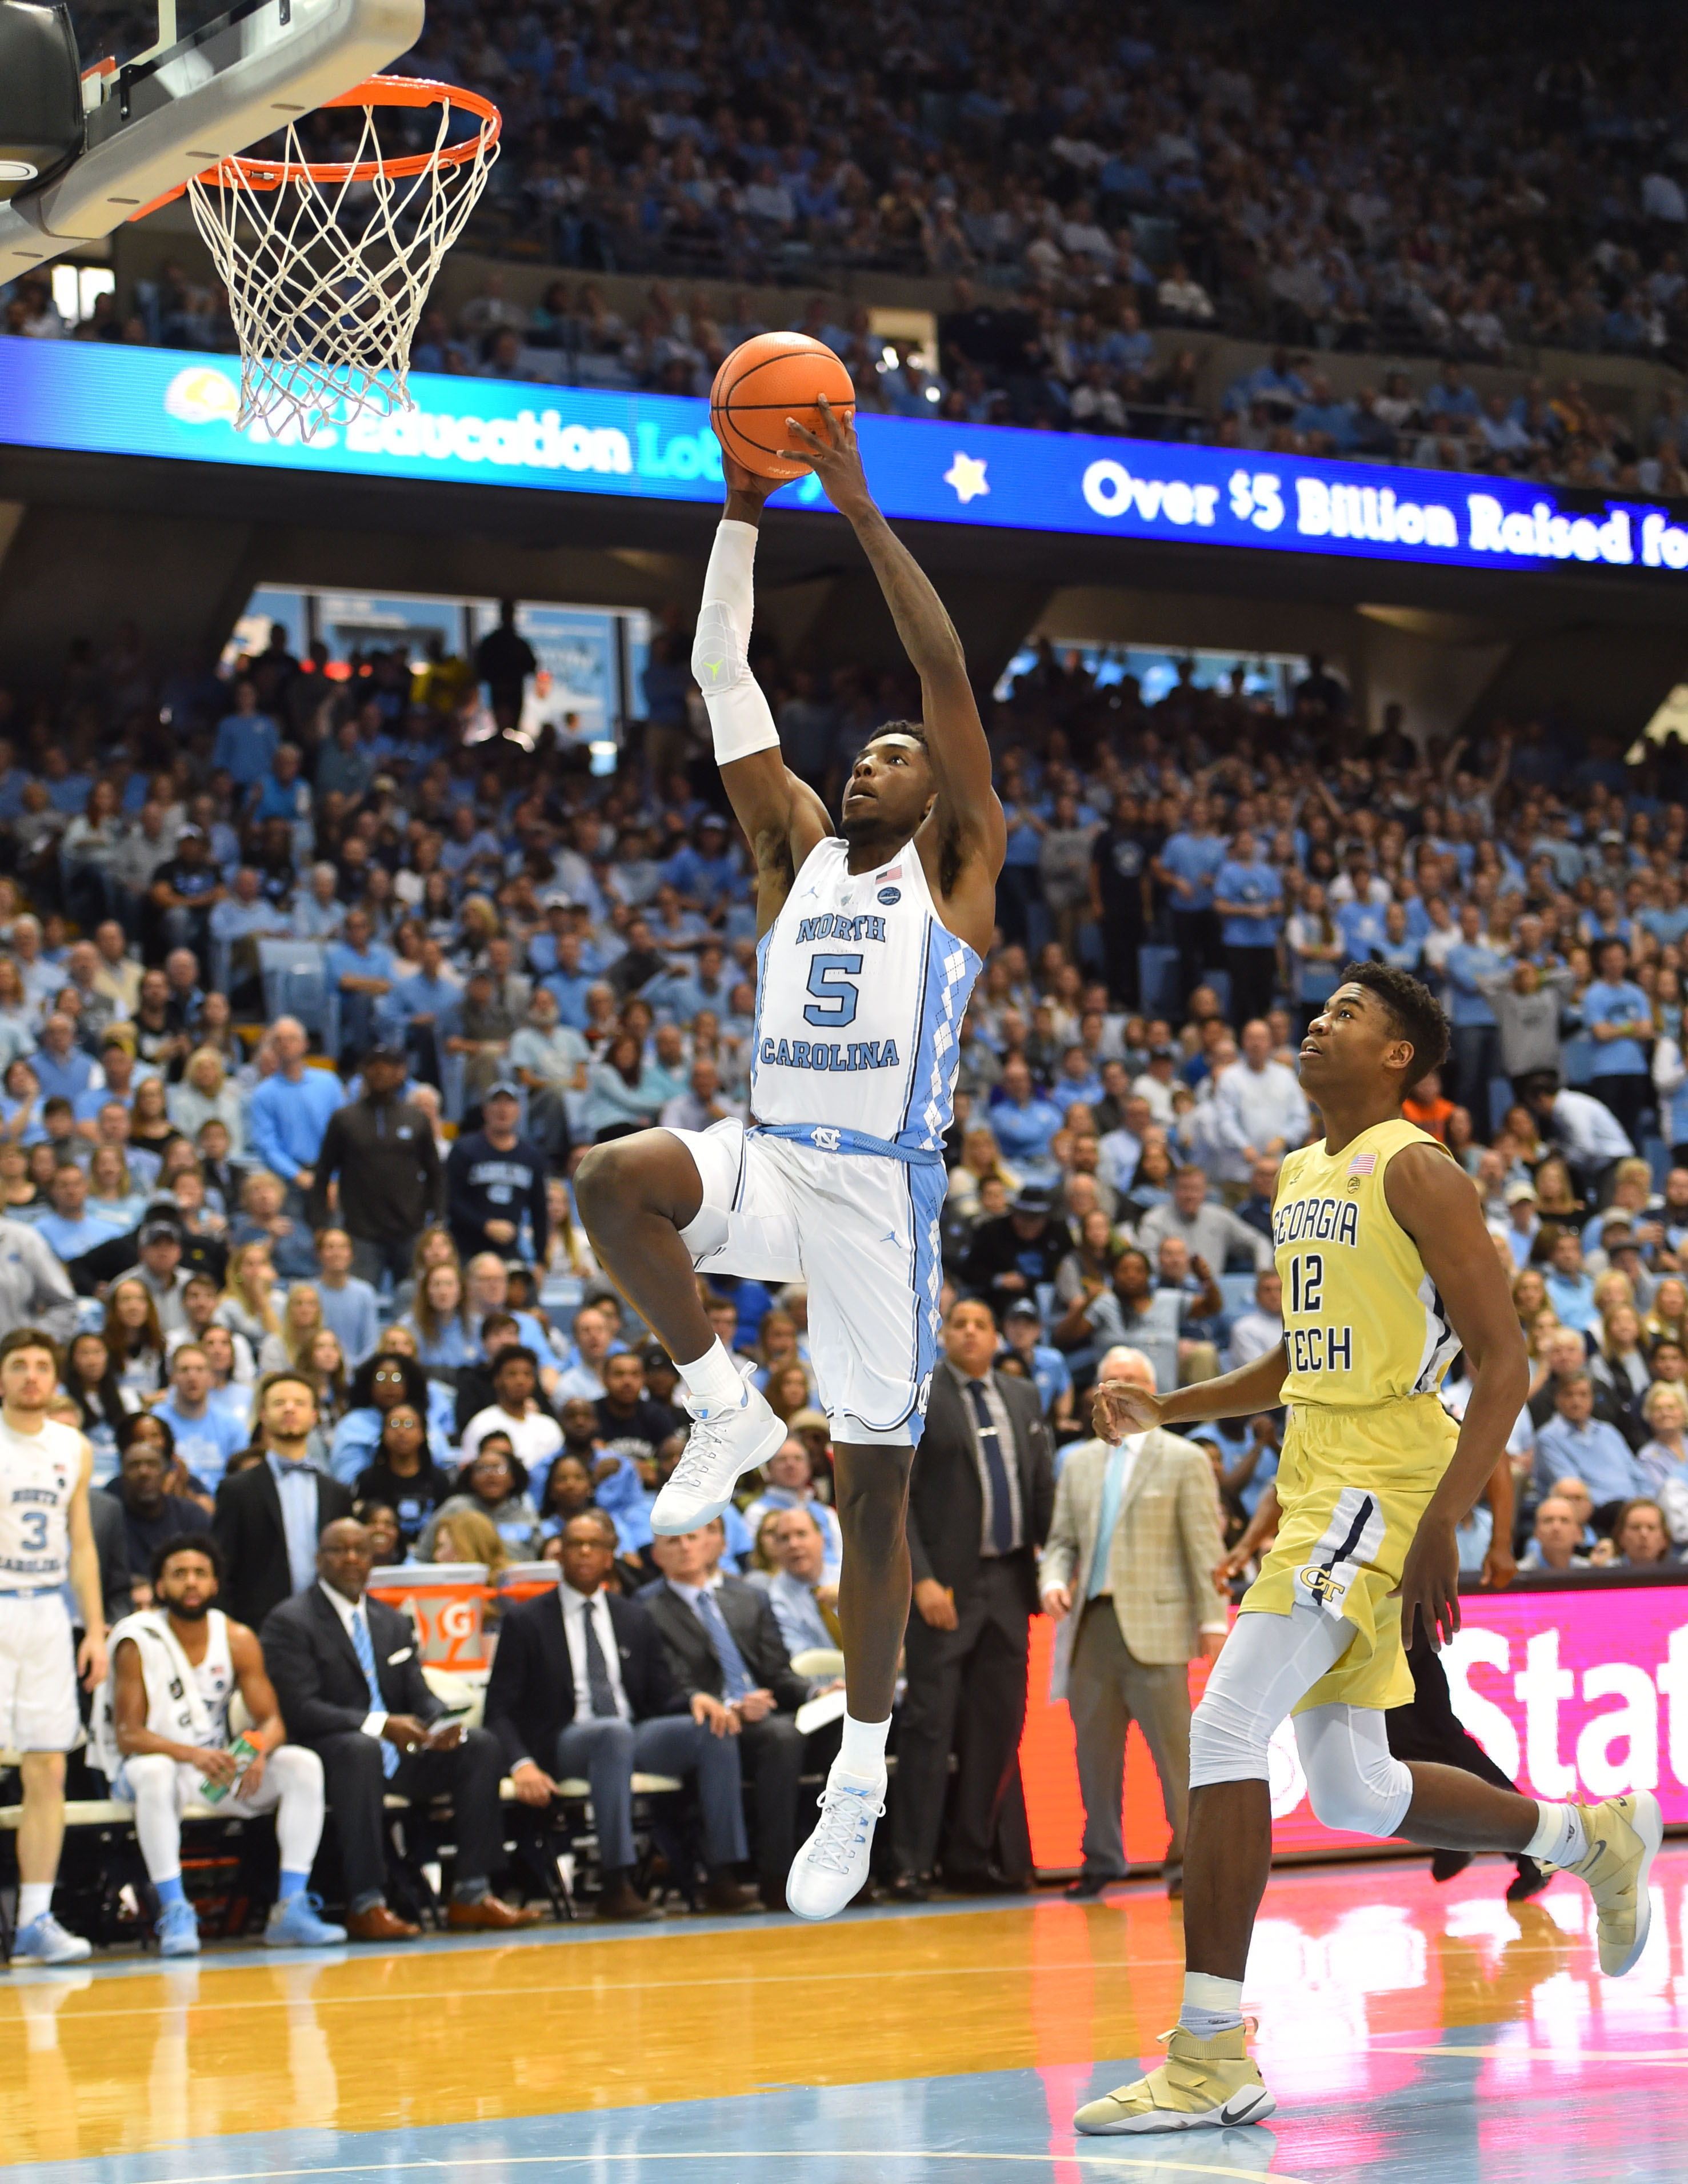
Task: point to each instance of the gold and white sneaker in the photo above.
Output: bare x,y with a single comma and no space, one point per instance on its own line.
1213,2083
1624,1834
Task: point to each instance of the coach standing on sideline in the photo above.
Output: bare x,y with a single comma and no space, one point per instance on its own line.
382,1149
1128,1573
979,1508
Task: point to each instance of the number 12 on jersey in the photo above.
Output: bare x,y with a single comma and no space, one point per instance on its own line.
1306,1282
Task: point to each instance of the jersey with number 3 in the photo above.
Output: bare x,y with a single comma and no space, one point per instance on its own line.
38,1475
860,993
1363,1322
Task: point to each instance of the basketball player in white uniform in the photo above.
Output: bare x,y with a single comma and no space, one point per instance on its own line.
45,1537
165,1731
870,938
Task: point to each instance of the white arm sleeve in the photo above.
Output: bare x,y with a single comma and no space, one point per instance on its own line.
740,720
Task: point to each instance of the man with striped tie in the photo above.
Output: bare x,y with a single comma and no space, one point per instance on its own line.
722,1641
349,1684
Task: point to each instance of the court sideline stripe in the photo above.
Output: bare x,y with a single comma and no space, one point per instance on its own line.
389,2165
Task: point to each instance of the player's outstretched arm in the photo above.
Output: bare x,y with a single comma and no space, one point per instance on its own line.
781,815
1124,1408
955,735
1436,1202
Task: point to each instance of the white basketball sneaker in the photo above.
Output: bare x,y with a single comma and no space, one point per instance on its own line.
724,1444
831,1868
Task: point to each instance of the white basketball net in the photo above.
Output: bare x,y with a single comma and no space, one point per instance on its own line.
327,279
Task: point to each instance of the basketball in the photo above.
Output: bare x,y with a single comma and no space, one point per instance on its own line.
765,380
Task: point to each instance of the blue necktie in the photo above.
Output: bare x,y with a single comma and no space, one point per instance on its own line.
1002,1499
365,1661
1113,1494
599,1688
738,1678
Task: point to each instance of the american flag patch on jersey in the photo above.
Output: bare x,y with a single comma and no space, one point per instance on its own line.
1362,1164
894,873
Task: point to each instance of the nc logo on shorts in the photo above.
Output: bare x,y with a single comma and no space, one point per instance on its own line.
826,1141
888,895
1320,1583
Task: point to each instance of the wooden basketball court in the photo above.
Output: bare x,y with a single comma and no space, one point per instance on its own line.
1409,2032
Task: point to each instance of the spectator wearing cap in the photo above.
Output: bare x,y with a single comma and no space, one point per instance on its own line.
1011,1255
185,890
1211,1232
159,1270
381,1146
494,1180
1523,1223
290,1111
1045,1367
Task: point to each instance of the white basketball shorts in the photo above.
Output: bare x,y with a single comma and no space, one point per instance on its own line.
38,1710
860,1227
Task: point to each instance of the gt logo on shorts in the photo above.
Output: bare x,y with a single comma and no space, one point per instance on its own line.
1325,1589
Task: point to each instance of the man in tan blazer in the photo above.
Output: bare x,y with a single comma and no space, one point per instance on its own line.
1127,1575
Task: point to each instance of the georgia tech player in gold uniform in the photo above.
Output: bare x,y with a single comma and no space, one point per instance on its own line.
1388,1272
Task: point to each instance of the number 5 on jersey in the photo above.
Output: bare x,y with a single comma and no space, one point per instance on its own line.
835,998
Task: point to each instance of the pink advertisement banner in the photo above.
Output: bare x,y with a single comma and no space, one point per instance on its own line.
1575,1695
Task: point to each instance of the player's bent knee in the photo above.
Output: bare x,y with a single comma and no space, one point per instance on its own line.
1228,1740
148,1771
1355,1783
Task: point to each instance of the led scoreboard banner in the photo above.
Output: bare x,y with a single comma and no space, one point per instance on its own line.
94,399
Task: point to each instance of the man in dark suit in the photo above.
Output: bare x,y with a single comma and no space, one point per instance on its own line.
350,1686
582,1679
979,1501
270,1517
723,1642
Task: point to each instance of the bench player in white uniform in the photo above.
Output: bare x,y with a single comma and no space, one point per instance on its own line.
45,1537
165,1730
871,938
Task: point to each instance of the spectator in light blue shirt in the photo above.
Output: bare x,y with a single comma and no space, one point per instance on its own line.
247,740
1570,1289
318,913
350,1306
1574,1444
1024,1122
206,1433
70,1230
1476,1048
1619,1018
62,1069
290,1111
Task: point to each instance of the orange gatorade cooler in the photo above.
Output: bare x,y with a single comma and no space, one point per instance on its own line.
446,1601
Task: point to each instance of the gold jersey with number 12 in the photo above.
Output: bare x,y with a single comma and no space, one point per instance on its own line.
1363,1322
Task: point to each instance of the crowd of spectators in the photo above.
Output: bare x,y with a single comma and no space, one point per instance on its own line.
1074,184
516,958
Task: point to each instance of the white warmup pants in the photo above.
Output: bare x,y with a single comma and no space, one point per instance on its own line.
163,1789
1269,1662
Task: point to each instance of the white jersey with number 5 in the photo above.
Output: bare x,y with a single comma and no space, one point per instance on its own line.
38,1475
860,994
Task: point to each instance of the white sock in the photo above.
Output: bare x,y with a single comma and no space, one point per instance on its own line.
1211,2005
34,1898
714,1379
862,1753
1560,1837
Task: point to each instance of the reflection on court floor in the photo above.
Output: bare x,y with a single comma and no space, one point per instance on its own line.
1409,2032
